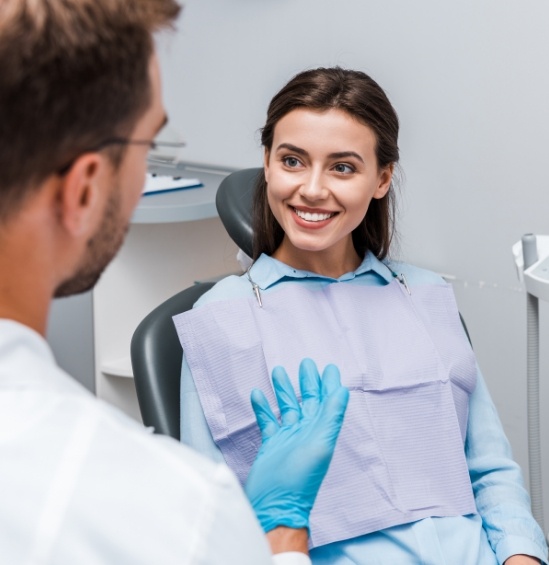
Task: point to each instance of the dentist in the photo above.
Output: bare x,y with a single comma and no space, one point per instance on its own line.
80,105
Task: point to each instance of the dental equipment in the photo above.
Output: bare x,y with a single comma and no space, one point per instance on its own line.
532,261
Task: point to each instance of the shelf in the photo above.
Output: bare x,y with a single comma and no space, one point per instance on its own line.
118,368
182,205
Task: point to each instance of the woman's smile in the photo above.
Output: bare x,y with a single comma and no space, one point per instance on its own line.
316,217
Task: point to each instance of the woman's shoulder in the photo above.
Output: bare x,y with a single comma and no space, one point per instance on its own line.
415,275
230,287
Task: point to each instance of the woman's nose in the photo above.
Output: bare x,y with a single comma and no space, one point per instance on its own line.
313,187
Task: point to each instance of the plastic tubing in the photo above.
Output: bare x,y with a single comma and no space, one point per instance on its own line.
530,256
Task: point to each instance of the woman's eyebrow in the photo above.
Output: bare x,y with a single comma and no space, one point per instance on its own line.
292,148
344,154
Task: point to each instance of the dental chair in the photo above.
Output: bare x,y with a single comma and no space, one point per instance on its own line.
155,351
156,357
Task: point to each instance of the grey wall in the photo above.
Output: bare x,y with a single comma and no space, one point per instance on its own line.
470,81
70,334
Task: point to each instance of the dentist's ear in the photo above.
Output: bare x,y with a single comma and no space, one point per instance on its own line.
78,201
385,179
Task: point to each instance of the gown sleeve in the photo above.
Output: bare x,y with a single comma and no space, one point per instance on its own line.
500,495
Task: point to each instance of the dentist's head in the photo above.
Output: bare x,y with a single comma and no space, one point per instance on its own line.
80,101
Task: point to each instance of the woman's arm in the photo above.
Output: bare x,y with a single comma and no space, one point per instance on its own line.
501,498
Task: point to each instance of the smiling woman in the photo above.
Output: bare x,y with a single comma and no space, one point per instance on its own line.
423,471
318,192
369,118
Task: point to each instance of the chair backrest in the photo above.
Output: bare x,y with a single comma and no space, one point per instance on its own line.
234,206
156,357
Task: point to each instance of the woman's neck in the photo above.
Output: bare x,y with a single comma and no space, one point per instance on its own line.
333,262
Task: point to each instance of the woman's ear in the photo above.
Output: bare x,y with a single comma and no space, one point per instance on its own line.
79,198
385,179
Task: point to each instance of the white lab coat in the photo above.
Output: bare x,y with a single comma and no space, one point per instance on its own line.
80,483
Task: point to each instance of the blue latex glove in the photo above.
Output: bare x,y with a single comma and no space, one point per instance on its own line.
296,452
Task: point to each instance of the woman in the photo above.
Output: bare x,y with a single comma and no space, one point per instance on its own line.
423,472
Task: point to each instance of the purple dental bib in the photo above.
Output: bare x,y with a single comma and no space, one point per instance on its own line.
410,371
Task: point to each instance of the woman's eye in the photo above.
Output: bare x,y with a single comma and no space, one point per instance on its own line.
291,162
343,168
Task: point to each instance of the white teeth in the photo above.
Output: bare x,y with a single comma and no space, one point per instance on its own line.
313,217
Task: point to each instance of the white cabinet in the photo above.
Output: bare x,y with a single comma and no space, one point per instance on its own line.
174,239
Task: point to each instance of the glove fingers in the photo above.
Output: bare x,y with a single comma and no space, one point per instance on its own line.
290,411
331,380
309,383
333,410
330,418
266,420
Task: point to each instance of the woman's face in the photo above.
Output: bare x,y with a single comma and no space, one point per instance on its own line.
321,175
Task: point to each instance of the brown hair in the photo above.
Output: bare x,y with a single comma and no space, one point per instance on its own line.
72,74
360,96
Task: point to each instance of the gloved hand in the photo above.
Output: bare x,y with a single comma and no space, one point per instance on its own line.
296,452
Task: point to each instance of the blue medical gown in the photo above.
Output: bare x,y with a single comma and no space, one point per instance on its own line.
504,525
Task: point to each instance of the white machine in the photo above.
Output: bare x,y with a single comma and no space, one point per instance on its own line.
532,260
